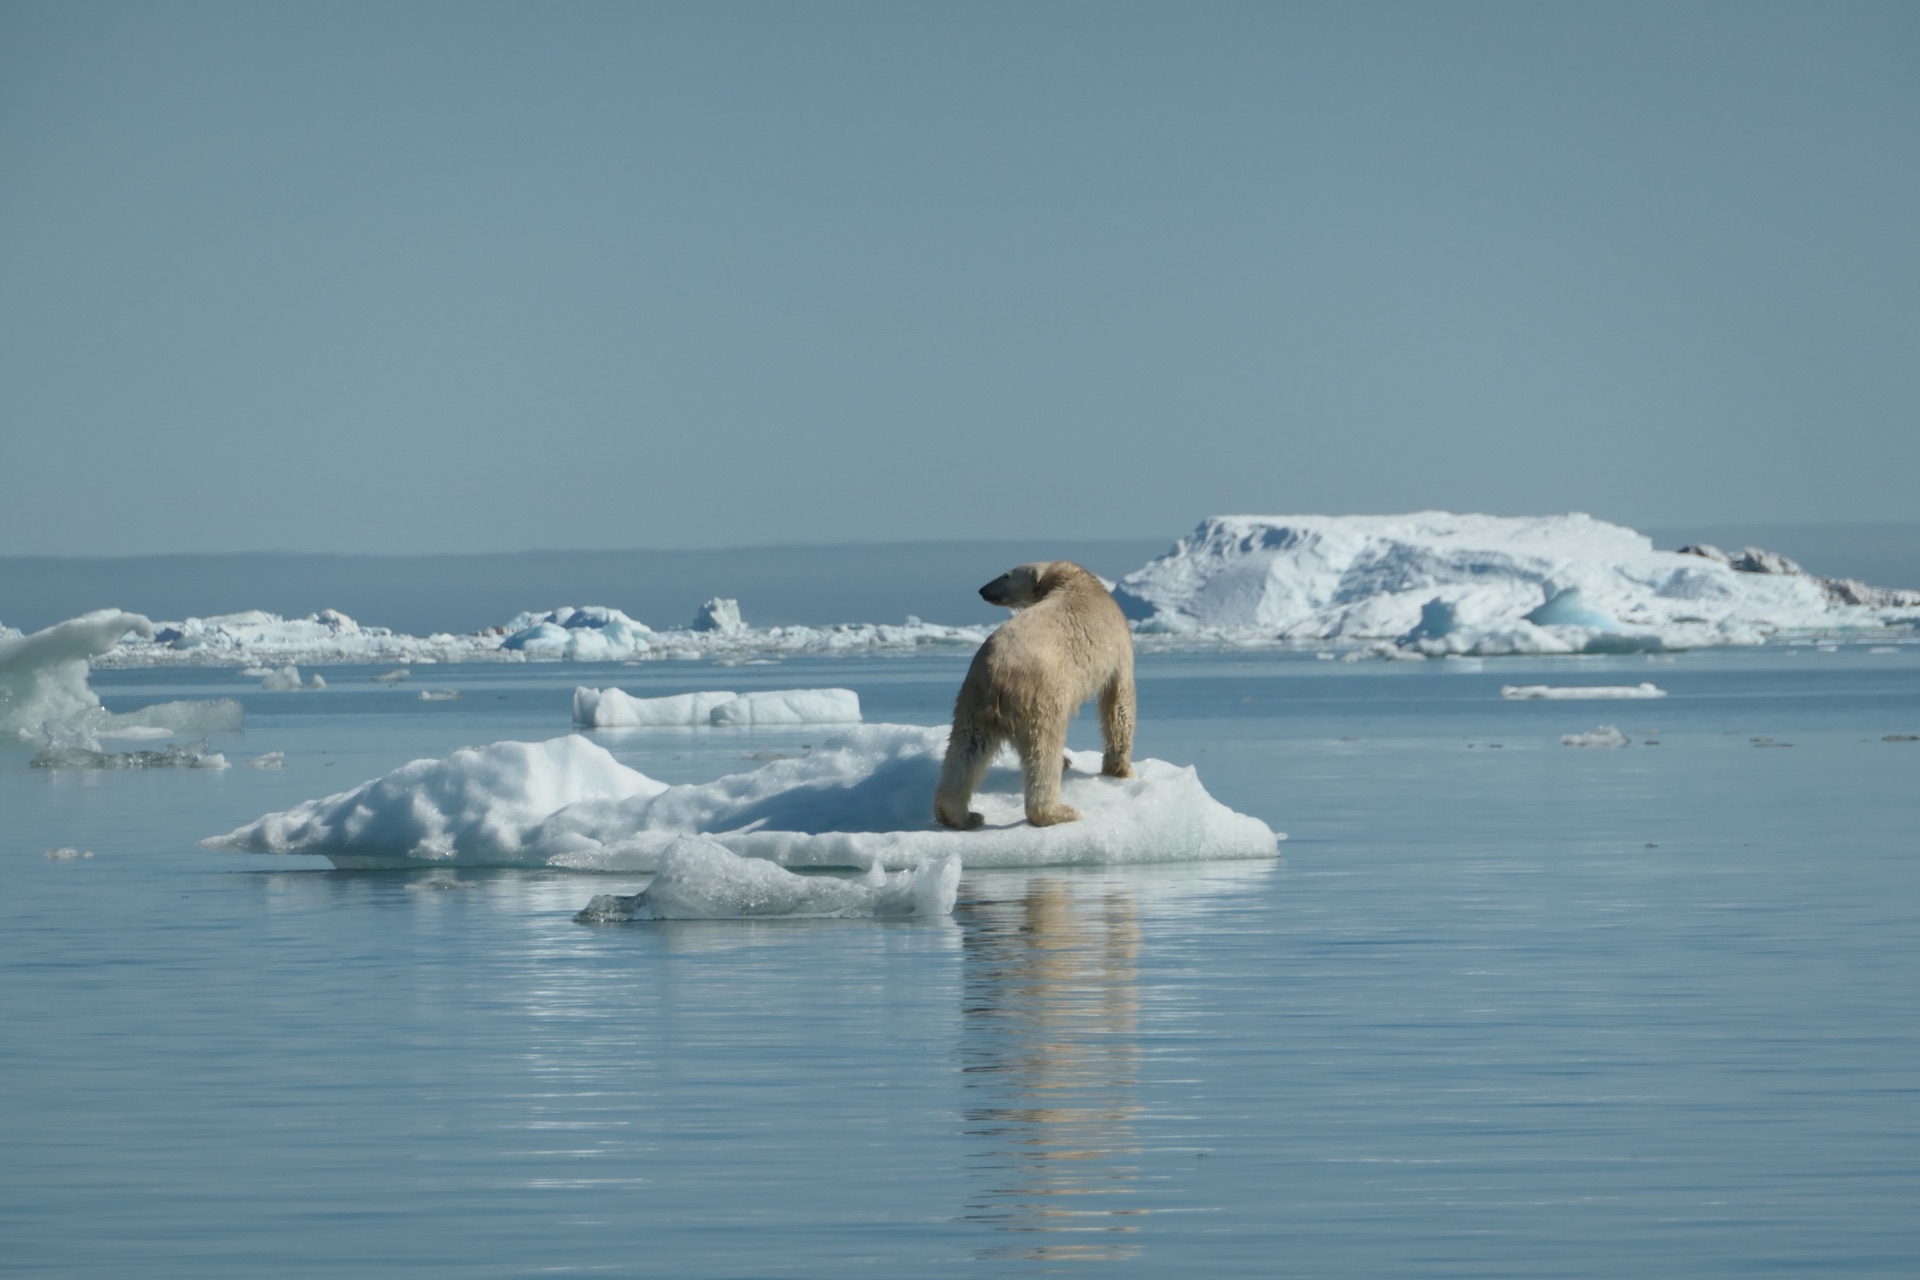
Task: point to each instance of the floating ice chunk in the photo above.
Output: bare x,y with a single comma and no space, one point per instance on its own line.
439,695
616,709
787,707
271,760
1645,689
1604,736
592,634
287,678
718,614
66,853
702,880
860,799
43,676
392,677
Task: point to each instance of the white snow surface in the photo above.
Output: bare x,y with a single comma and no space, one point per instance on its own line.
861,799
1571,692
1437,583
617,709
700,879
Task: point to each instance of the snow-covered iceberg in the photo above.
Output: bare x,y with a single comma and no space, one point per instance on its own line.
43,677
861,799
617,709
593,634
1434,583
700,879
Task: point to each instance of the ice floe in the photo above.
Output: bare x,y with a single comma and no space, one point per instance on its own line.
616,709
1574,692
1604,736
1435,583
700,879
284,679
860,799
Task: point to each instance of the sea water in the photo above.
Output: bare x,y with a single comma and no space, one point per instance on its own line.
1503,1007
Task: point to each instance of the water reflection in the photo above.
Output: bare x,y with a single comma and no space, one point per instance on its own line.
1050,1050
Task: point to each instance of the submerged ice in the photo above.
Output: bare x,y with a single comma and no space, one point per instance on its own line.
859,800
701,879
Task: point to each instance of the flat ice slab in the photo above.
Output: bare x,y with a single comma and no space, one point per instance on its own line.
861,799
617,709
1573,692
700,879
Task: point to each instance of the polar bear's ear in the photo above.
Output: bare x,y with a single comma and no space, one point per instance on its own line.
1049,576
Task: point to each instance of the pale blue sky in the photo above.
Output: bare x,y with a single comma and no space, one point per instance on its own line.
421,277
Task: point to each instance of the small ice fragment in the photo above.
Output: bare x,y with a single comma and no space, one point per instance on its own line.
271,760
701,880
1604,736
287,678
393,676
439,695
66,853
1645,689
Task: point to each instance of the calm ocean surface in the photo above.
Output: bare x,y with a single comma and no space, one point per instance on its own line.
1503,1007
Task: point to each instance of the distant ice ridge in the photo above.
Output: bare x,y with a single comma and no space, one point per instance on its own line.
861,799
616,709
594,633
43,677
700,879
1433,583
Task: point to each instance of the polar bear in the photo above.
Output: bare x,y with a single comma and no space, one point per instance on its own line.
1067,642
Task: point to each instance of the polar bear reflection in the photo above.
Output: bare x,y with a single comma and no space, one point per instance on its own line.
1051,1027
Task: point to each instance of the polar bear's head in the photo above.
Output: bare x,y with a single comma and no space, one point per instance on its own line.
1028,584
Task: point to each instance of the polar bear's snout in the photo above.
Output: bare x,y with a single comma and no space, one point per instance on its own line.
1018,587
